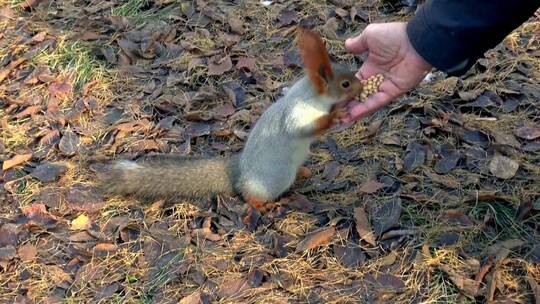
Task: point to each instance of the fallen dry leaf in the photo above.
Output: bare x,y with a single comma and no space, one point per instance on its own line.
363,226
535,288
218,66
16,160
84,198
387,216
82,222
505,139
233,288
449,158
287,17
48,172
349,256
197,297
370,186
103,249
29,111
503,167
236,24
37,215
60,90
7,252
27,252
315,239
246,63
468,286
415,156
69,143
8,235
528,133
106,292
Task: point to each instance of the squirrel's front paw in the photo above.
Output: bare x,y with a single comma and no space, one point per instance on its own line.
337,115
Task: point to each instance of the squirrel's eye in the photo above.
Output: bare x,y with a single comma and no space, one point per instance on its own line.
345,84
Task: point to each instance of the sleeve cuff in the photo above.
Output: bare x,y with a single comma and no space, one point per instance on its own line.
437,46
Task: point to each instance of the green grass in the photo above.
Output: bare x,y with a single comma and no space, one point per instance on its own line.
503,216
131,8
75,58
135,9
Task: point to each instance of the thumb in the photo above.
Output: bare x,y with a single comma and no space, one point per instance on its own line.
357,44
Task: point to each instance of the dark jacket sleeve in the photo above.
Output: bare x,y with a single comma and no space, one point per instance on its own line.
452,35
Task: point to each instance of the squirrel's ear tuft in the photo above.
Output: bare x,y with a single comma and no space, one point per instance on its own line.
315,58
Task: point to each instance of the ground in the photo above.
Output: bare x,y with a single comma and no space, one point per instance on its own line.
434,199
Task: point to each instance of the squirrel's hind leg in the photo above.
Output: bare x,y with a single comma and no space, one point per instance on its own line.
303,172
264,206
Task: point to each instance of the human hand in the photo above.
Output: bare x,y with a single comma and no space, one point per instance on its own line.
391,54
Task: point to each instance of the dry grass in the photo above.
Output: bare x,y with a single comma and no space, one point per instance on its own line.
167,260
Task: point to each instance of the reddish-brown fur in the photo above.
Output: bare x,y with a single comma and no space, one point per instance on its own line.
315,58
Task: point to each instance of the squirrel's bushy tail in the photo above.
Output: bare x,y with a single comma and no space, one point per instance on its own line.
170,177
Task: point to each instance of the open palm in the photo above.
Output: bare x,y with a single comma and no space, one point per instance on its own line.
391,54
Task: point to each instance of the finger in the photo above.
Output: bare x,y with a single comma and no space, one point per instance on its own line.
357,44
375,102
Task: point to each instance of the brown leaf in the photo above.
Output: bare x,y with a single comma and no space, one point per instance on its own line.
447,239
233,288
341,12
315,239
363,226
528,133
16,160
82,222
103,249
84,198
474,137
535,288
330,28
492,279
7,252
198,129
197,297
224,111
106,291
218,66
370,186
246,63
415,156
27,252
505,139
468,286
7,13
287,17
349,256
387,216
60,90
386,281
89,35
503,167
205,233
448,161
48,172
69,143
129,234
457,217
8,235
4,73
26,4
37,215
236,24
29,111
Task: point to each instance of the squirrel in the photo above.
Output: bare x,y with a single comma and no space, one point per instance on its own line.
275,150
